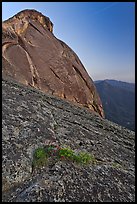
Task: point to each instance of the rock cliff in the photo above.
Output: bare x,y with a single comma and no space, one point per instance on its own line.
30,119
32,55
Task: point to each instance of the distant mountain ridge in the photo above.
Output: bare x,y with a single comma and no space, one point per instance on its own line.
118,99
120,84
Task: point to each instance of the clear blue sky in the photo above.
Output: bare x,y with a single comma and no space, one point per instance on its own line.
101,33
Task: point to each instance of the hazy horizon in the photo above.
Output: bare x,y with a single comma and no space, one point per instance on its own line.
114,80
102,34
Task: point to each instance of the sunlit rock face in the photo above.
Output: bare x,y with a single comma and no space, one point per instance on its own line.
33,56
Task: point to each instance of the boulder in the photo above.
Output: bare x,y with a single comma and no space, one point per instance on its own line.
33,56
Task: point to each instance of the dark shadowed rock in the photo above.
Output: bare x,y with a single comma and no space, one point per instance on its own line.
32,55
30,119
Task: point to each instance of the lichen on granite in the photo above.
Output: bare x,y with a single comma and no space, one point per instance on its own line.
31,119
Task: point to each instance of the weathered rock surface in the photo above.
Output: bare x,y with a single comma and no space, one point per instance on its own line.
32,55
30,118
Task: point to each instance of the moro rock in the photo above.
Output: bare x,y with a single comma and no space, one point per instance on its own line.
33,56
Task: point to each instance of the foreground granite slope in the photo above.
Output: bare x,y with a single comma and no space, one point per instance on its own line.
33,56
31,118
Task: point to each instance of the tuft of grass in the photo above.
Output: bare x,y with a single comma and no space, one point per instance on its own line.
81,157
85,158
66,153
40,157
42,154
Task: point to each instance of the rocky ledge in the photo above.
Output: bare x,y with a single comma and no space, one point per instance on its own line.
30,119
